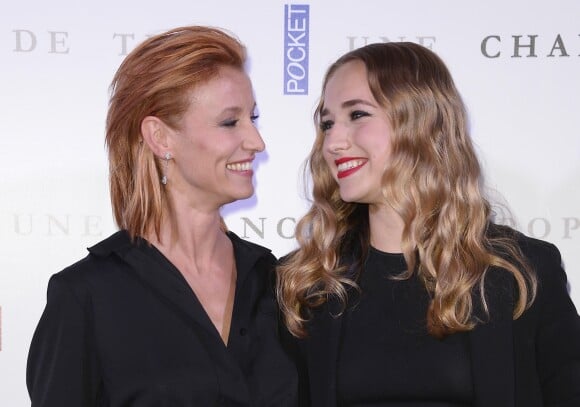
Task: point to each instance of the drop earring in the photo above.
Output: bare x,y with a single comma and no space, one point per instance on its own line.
166,164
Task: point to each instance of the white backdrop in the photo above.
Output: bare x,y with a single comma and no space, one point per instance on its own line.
521,86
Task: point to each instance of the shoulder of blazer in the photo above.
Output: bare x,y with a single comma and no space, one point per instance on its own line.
98,263
544,259
539,252
535,250
552,301
117,241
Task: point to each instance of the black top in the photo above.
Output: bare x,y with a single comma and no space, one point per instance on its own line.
386,355
123,328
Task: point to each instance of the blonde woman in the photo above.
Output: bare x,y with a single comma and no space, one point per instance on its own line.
403,292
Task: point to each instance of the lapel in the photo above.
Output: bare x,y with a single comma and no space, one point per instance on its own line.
492,353
322,348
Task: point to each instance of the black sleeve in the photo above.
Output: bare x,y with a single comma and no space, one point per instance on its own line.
62,364
558,334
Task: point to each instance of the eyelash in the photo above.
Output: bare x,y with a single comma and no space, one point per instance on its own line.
326,125
233,122
230,123
357,114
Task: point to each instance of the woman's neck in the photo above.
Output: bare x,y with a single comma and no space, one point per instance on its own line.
386,228
193,236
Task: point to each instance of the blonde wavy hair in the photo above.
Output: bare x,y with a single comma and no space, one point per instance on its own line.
156,79
434,182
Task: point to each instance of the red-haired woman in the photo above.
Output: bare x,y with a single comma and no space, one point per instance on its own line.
173,310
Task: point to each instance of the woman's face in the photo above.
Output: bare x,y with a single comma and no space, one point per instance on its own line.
217,142
357,135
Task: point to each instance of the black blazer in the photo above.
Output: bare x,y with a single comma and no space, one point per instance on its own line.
123,328
533,361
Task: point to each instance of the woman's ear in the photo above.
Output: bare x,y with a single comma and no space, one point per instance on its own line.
155,135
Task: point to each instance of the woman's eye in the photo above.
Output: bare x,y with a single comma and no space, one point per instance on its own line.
326,125
357,114
229,123
254,118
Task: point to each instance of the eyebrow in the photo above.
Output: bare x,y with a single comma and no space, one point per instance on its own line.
236,109
349,103
231,110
